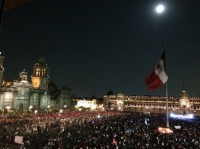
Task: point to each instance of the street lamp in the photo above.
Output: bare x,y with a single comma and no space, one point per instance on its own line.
8,107
35,111
61,110
30,107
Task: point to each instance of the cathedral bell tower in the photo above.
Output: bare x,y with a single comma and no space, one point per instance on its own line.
40,77
23,75
184,100
1,68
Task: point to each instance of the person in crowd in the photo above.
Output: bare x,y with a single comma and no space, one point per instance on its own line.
99,130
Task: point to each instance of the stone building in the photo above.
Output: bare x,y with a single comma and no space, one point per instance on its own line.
22,95
154,104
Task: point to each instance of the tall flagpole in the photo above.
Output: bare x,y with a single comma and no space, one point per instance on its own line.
167,111
160,9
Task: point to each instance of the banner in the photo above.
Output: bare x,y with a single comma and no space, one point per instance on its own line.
18,139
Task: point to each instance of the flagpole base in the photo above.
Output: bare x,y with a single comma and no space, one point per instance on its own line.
165,130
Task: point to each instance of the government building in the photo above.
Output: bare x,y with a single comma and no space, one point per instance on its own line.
22,95
153,104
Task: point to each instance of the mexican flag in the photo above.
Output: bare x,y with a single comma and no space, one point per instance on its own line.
159,76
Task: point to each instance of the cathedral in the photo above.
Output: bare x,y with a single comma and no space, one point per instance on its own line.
22,95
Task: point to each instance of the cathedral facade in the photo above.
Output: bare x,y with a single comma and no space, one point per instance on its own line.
21,95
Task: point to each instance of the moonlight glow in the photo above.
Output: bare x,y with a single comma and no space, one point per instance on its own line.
160,8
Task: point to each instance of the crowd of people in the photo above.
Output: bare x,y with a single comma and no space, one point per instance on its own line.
98,130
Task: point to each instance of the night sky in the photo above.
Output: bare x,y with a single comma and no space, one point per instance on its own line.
96,45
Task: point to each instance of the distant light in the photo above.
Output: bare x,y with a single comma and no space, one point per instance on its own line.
177,127
165,130
8,96
119,108
98,116
180,116
8,107
160,8
30,107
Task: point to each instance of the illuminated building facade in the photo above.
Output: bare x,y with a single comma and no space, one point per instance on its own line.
154,104
86,104
40,75
21,95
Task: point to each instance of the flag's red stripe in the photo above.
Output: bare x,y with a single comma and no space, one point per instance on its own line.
153,81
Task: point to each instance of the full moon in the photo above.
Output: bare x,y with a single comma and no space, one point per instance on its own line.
160,8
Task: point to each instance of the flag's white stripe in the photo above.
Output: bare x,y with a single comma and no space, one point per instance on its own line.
161,72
